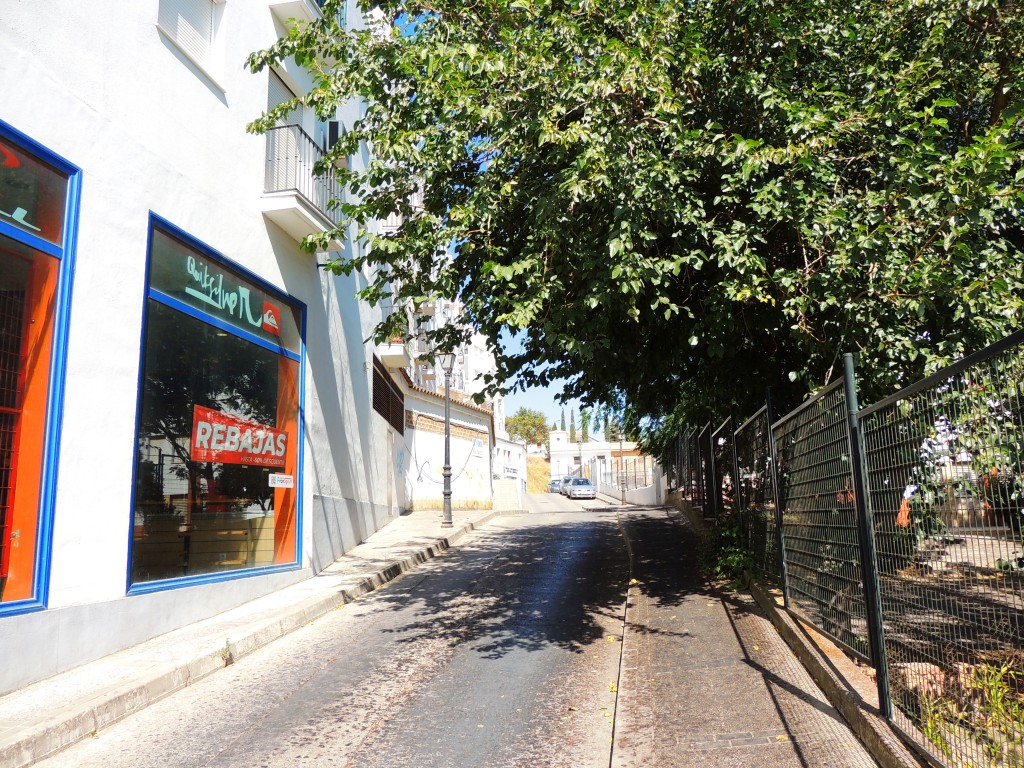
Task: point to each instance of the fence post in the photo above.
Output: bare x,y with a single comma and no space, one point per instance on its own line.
780,535
866,531
736,507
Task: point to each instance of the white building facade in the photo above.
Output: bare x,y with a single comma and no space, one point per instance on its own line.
592,458
190,416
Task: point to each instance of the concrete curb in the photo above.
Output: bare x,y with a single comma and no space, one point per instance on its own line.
80,719
864,718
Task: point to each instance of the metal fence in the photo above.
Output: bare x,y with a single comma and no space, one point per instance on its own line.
819,524
897,530
945,481
723,474
626,473
755,494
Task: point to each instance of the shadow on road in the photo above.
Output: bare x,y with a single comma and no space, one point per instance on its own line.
533,581
524,583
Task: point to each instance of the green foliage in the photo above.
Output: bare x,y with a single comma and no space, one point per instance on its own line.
981,712
681,203
529,425
725,554
572,426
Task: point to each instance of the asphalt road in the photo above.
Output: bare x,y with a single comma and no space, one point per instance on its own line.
505,651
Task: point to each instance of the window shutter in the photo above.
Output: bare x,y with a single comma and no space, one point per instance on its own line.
277,91
388,400
190,22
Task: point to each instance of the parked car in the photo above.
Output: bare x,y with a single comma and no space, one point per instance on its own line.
555,486
566,482
581,488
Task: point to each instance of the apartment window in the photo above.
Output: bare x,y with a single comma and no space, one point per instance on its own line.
216,472
192,26
38,197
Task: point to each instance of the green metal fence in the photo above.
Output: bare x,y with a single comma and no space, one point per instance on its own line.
945,482
755,494
897,530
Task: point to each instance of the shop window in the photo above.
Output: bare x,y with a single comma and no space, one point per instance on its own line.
37,192
218,434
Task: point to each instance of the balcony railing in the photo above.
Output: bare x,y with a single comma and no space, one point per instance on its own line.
291,155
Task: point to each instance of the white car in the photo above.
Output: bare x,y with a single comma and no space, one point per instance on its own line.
581,488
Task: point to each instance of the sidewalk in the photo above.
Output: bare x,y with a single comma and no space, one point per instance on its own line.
61,710
706,678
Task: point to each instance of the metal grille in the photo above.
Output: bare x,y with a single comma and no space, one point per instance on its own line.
693,471
755,493
291,158
945,482
12,316
724,476
819,518
388,400
706,465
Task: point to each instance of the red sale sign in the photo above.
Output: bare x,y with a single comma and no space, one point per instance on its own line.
226,439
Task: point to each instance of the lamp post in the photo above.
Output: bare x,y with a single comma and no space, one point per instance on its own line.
447,363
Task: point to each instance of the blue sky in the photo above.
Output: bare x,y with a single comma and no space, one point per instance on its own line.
543,399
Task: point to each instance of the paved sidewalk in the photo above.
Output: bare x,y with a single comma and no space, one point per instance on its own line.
706,679
47,716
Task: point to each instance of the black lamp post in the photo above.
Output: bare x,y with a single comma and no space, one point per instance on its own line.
447,363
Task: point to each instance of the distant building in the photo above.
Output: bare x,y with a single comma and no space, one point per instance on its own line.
591,458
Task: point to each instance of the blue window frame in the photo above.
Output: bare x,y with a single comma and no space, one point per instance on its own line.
39,203
219,434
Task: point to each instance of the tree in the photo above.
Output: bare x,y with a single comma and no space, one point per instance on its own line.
679,204
528,425
563,420
585,423
572,426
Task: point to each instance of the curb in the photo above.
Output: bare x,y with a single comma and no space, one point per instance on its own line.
52,735
871,728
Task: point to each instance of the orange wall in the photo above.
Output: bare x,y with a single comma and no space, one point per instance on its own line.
40,303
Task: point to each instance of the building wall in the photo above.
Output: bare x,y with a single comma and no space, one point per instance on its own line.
152,132
510,459
469,450
566,456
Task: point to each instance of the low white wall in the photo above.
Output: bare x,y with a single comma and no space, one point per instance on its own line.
651,495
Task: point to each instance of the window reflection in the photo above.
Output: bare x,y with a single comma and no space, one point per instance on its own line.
203,511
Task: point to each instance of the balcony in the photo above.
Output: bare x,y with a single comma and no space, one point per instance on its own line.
394,354
295,198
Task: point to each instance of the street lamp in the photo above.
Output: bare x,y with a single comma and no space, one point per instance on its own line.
447,360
